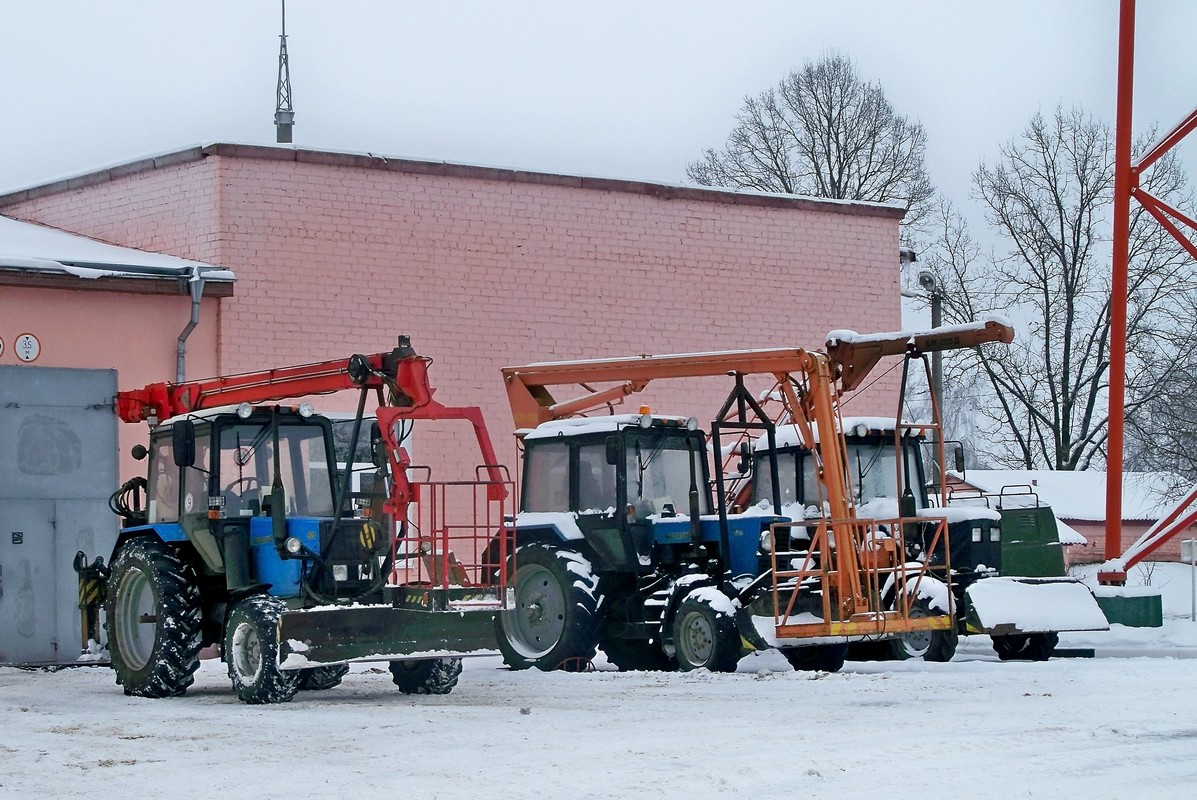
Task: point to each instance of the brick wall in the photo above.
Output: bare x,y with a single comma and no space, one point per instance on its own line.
487,268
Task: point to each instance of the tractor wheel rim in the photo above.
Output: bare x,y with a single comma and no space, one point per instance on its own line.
539,615
135,603
247,652
697,639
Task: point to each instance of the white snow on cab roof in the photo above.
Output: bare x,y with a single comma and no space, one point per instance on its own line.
580,425
37,248
788,435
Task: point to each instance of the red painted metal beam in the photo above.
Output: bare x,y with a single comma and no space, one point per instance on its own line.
1124,180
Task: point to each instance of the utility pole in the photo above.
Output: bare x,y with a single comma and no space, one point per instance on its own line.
284,112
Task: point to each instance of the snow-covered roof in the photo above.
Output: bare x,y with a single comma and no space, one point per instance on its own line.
28,247
609,424
1080,495
788,435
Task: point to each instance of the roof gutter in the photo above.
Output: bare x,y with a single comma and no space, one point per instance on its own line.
196,284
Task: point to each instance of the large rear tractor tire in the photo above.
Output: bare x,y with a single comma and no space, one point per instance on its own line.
1027,646
316,679
153,619
704,636
426,675
937,645
554,623
251,651
637,655
817,657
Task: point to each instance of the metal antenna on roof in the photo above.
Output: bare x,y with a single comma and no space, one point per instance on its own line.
284,113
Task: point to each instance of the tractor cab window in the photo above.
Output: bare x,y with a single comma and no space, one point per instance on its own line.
659,474
790,467
546,477
873,470
163,489
245,469
596,479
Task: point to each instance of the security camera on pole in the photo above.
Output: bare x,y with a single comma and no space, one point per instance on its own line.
934,291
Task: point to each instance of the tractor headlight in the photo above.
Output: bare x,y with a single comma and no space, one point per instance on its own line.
293,545
306,409
646,420
340,572
692,424
766,541
244,410
995,533
977,534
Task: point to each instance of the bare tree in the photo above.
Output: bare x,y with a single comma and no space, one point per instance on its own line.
1047,201
824,132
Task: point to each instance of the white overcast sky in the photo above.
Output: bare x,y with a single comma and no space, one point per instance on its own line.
621,89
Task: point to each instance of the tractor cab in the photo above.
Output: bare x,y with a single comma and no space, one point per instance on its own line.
634,489
884,484
250,488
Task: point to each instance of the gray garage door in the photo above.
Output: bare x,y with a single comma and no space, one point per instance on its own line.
58,466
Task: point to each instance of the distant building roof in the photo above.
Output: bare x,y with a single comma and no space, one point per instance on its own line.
37,255
1080,495
398,164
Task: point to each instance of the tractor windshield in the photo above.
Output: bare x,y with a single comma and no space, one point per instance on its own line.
872,470
659,471
245,469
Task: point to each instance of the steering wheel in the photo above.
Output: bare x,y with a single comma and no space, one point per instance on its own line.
250,482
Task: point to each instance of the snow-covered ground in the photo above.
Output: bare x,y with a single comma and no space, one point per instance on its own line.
1105,727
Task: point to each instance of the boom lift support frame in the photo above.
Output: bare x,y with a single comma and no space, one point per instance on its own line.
812,400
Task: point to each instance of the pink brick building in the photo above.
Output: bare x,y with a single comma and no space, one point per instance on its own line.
337,253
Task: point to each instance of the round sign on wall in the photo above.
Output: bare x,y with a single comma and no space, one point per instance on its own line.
27,347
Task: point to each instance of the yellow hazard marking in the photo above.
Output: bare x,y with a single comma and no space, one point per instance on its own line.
367,537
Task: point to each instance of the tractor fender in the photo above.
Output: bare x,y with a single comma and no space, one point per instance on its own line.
165,532
679,590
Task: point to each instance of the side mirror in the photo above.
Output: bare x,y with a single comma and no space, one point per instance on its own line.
183,443
614,450
139,452
745,465
378,450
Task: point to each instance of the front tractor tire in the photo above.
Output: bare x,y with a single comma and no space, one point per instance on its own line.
704,636
939,645
817,657
317,679
426,675
637,655
554,624
251,652
1027,646
153,619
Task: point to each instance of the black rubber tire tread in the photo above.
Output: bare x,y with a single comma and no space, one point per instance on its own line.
943,642
817,657
426,675
637,655
696,616
1026,646
257,619
317,679
578,639
174,655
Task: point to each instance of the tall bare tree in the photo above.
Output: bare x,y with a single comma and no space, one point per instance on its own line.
1047,200
824,132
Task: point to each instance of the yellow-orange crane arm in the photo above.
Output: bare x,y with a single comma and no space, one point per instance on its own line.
851,357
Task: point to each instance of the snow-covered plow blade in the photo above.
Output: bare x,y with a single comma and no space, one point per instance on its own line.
1007,606
332,635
